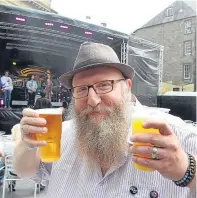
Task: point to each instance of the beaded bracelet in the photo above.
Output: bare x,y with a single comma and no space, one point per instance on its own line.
190,173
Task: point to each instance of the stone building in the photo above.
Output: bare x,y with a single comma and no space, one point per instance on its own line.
175,29
43,5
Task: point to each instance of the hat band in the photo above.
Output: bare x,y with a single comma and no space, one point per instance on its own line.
93,61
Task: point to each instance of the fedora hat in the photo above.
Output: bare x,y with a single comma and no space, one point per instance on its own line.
94,55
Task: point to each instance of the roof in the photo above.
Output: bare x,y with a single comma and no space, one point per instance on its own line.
39,4
42,5
181,10
60,19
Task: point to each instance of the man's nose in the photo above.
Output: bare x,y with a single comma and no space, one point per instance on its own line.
93,98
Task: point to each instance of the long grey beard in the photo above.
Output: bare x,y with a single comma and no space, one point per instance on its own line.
107,141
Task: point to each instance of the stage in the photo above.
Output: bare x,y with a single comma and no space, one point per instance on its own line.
8,118
17,103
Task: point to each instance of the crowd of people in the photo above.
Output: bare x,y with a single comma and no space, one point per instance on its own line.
6,85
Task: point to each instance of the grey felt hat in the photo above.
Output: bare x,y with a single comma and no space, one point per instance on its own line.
94,55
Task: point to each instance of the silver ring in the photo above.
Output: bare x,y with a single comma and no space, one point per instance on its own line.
154,153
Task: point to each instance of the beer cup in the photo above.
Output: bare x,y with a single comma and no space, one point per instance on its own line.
50,152
137,122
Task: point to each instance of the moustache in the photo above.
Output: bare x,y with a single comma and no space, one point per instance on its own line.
97,109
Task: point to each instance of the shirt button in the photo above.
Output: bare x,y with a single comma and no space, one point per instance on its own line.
153,194
133,190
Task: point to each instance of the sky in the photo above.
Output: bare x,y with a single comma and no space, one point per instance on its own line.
121,15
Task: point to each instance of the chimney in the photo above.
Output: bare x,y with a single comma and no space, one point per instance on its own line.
88,17
104,24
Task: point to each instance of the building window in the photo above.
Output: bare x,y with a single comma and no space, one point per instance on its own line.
176,89
187,71
188,27
188,47
169,12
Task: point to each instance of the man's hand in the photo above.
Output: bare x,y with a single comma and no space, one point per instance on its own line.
30,125
171,162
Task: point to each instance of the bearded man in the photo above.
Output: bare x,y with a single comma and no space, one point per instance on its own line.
96,158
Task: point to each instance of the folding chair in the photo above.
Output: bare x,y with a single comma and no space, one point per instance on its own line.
7,176
38,187
8,148
2,169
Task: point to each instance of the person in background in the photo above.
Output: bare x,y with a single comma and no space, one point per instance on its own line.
7,88
42,103
32,87
42,94
0,83
49,86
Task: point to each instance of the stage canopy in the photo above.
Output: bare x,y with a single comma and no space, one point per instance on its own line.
34,38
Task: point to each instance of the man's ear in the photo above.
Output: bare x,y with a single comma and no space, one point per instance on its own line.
129,84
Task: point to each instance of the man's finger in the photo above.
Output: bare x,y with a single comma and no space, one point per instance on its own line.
154,139
33,121
147,151
33,142
163,127
30,113
149,163
33,129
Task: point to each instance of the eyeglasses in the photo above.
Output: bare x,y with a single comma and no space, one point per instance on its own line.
101,87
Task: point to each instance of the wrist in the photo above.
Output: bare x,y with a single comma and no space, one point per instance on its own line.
190,173
183,166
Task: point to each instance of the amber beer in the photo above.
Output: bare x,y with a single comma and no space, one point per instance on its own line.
51,152
137,122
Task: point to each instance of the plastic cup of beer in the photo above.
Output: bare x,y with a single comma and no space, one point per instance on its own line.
50,152
137,121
